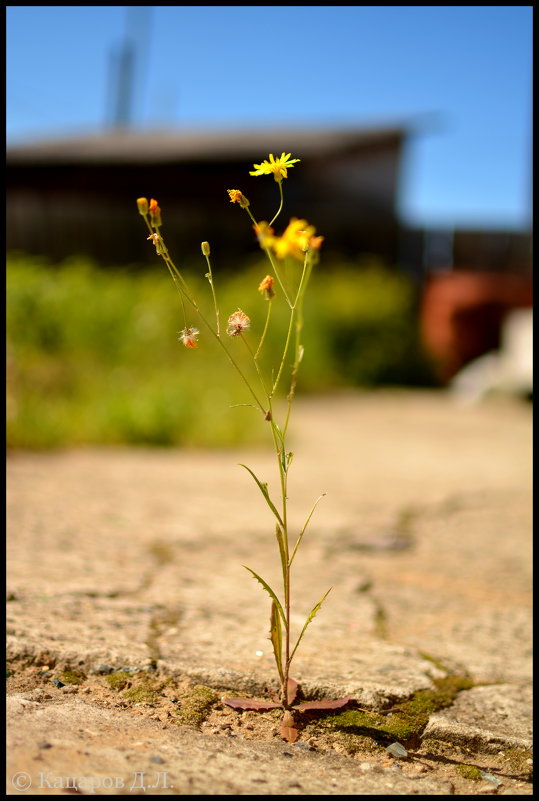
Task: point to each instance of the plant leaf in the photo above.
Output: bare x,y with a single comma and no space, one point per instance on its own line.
264,490
288,727
296,546
250,703
276,637
282,550
292,690
309,619
269,591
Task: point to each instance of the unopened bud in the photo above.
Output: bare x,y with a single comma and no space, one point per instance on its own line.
205,248
142,203
155,213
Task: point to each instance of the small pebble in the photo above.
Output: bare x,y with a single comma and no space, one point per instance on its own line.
58,683
397,750
157,759
490,778
304,746
102,670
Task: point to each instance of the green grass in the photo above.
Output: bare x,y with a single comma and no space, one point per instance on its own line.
93,355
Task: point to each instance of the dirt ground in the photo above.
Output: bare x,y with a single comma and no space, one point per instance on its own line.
130,616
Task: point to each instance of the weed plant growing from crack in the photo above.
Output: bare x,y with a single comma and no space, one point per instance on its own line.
298,245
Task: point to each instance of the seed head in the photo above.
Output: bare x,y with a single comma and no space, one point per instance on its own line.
189,337
237,323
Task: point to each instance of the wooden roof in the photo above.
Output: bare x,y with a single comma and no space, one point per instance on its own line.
185,146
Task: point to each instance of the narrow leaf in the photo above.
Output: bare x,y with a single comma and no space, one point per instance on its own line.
282,550
278,430
276,637
296,546
264,490
269,591
250,703
309,619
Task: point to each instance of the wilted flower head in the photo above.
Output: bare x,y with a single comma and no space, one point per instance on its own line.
238,197
266,287
237,323
189,337
277,166
157,241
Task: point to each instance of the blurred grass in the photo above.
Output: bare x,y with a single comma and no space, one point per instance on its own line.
93,355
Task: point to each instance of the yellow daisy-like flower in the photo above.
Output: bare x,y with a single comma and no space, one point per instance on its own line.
296,240
277,166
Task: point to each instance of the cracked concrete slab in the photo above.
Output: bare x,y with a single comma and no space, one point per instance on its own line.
133,558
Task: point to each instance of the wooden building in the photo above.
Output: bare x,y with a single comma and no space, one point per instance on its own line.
77,196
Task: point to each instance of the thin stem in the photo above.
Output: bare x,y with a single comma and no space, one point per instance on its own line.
298,306
283,358
264,332
276,271
184,287
209,276
257,367
267,251
281,203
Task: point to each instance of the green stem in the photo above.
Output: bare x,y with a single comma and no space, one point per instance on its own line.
281,203
184,287
264,332
209,276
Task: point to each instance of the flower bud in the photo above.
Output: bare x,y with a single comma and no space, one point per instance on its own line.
142,203
155,213
266,287
205,246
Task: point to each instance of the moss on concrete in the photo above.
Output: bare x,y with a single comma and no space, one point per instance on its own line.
196,705
469,772
69,676
117,681
145,692
519,761
407,720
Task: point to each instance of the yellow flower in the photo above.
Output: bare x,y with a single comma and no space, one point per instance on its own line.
296,240
238,197
266,287
265,234
277,166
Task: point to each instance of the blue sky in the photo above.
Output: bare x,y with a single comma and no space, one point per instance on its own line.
460,75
